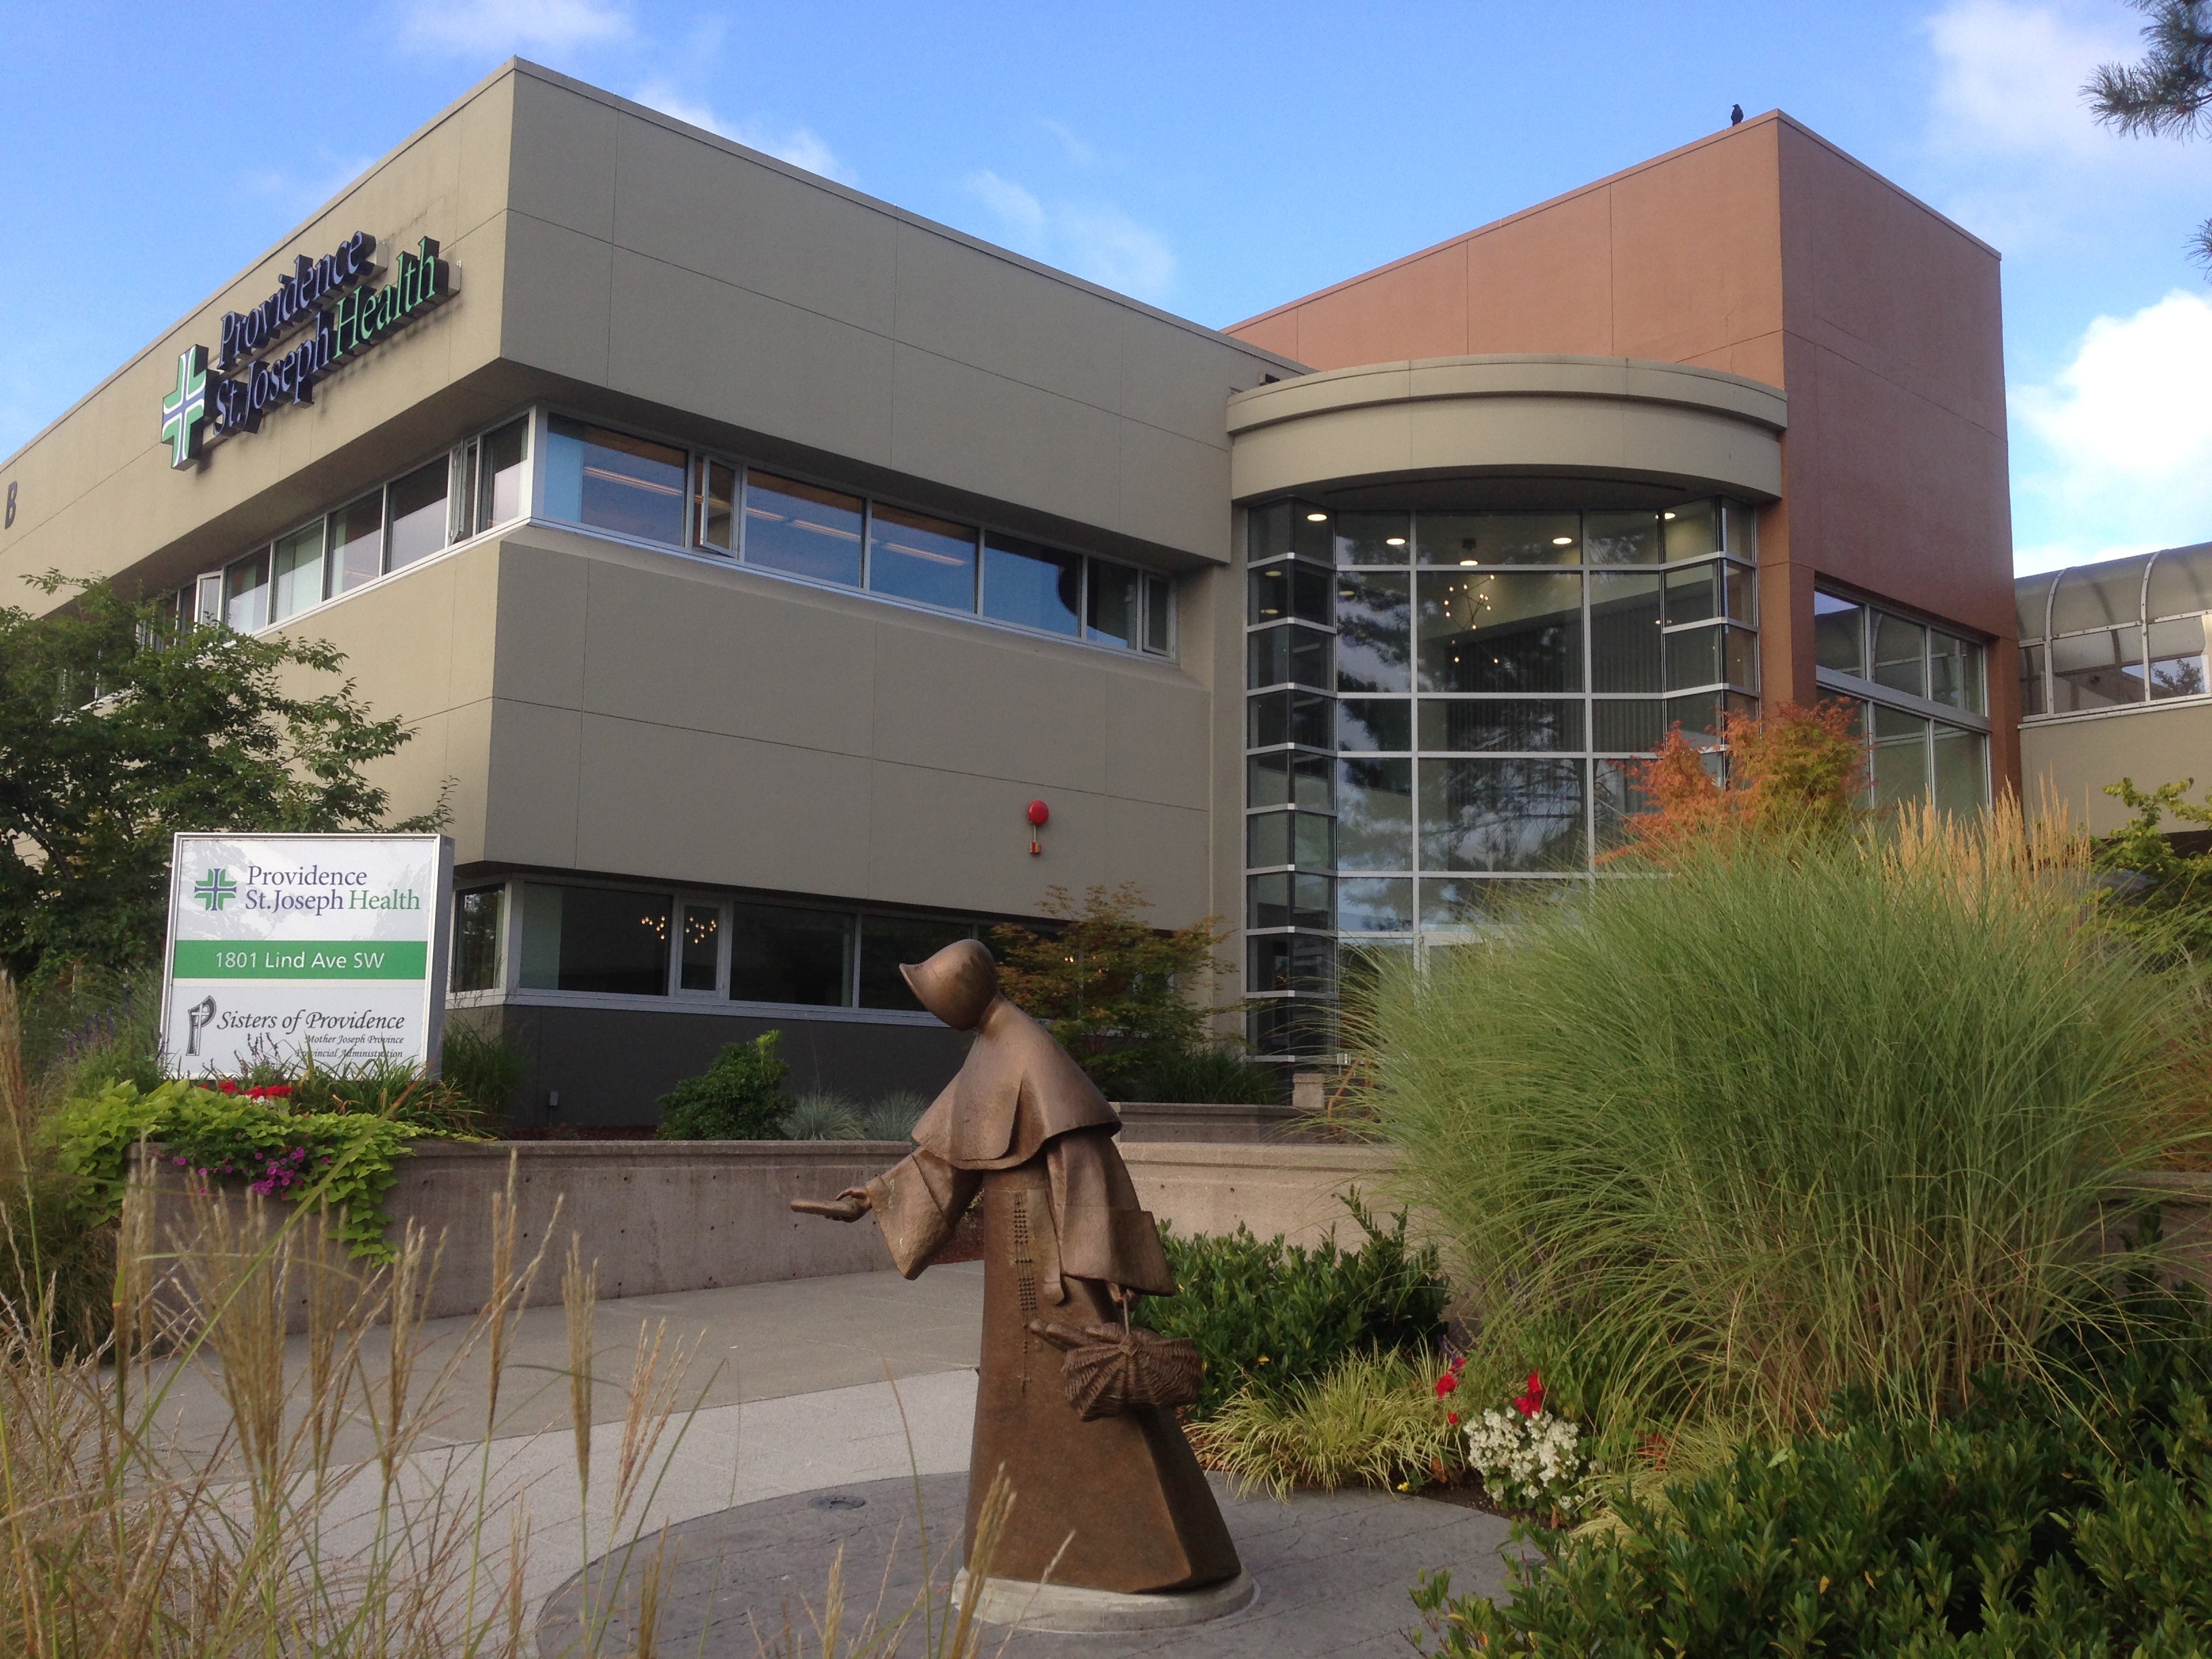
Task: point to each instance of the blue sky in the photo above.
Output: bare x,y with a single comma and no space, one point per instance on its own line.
1214,159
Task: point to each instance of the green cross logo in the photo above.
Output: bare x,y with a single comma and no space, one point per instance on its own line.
186,408
217,887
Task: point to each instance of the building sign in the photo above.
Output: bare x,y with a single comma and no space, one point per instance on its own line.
286,947
330,309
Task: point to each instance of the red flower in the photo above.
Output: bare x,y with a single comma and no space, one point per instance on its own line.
1452,1418
227,1086
1445,1384
1531,1398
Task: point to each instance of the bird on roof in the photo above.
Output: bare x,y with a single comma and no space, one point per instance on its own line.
1735,115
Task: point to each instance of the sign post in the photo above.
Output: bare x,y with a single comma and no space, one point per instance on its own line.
286,948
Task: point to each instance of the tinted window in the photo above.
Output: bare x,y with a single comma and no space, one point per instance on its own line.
476,939
595,938
802,529
357,542
418,508
887,941
500,475
781,953
613,481
913,557
1032,586
298,579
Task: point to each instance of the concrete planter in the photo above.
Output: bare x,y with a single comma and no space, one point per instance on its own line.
664,1216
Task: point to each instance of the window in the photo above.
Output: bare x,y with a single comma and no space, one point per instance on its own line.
1032,586
888,941
595,938
929,560
357,542
1159,616
611,481
500,475
245,594
803,529
1906,669
298,579
479,916
699,948
1503,631
1113,603
783,953
417,512
718,520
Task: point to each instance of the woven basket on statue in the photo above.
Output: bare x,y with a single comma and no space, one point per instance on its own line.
1112,1369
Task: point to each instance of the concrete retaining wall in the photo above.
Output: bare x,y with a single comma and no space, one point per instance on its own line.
665,1216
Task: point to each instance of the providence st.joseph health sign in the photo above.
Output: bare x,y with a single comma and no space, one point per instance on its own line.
283,948
336,298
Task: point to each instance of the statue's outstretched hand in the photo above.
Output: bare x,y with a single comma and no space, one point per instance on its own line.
848,1206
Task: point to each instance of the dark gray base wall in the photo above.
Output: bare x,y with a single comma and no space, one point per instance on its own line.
610,1067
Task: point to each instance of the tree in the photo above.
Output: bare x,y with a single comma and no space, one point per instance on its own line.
2152,888
1795,772
1112,989
118,728
2170,91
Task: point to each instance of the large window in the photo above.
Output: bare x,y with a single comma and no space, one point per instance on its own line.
1442,707
479,922
607,939
611,481
1922,695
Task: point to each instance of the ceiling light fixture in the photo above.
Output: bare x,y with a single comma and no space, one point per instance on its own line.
1665,515
1322,517
1466,564
1563,541
1393,540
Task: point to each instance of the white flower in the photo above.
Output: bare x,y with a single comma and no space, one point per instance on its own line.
1533,1463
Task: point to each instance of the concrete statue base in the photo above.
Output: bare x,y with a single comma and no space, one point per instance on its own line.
1068,1610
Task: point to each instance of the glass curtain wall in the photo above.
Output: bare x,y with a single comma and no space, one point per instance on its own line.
1440,707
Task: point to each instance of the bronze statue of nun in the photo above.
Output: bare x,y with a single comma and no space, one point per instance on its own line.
1064,1242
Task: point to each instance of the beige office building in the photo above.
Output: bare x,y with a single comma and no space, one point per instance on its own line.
749,555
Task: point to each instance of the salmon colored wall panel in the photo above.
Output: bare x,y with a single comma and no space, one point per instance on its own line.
1698,249
1759,358
1277,332
1543,282
1416,308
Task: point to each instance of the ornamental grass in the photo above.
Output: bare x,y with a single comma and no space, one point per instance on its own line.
1793,1115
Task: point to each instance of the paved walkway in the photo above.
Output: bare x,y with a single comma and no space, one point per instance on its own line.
792,1391
1334,1571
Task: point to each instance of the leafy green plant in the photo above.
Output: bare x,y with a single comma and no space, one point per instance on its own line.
1113,990
1212,1075
1372,1418
347,1161
2155,891
740,1098
2065,1518
1271,1315
818,1114
1795,1117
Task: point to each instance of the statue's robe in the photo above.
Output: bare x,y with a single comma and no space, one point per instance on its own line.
1120,1501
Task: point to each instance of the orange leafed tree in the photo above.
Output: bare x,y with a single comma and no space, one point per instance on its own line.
1795,772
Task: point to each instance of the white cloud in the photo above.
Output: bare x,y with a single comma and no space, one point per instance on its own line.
2010,75
1082,154
503,27
1092,240
2125,439
800,146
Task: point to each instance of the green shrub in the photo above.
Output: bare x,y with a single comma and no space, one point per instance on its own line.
1371,1418
56,1261
2068,1520
818,1114
1785,1121
892,1117
1273,1315
347,1161
84,1028
1212,1076
740,1098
